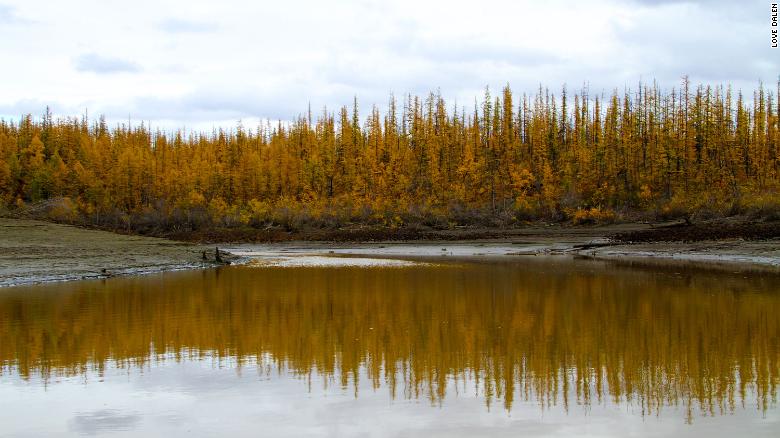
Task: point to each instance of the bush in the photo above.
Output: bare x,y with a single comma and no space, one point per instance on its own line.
765,206
62,210
593,216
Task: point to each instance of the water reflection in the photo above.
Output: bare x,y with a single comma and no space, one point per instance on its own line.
555,332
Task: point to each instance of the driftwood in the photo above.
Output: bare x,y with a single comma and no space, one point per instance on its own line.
591,245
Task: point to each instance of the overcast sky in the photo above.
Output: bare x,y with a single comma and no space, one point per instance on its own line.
199,64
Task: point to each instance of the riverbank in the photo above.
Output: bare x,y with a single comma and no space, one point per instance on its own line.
628,232
729,254
357,233
35,251
723,242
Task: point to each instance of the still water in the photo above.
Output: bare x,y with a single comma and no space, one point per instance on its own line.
498,347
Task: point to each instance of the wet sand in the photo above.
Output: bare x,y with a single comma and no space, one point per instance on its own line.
725,253
728,254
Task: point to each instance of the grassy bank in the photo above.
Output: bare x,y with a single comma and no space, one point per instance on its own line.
34,251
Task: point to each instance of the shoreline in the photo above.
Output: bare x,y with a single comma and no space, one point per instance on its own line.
763,256
33,252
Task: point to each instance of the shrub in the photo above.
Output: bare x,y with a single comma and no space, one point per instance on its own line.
62,210
593,216
765,206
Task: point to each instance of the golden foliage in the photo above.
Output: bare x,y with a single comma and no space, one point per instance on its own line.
647,152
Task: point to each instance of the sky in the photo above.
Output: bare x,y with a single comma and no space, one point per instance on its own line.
203,64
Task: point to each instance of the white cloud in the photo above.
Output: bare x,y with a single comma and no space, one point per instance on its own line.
8,15
196,63
94,63
177,25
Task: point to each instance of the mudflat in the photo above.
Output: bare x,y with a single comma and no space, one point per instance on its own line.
730,254
35,251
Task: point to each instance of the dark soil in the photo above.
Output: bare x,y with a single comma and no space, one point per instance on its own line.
697,232
359,234
715,230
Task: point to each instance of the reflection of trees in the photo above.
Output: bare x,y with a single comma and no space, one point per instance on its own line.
542,332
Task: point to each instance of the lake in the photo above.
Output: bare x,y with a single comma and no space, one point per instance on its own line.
498,346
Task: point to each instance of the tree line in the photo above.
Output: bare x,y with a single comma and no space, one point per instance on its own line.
687,151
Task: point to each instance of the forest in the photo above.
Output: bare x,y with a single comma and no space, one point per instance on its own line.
691,152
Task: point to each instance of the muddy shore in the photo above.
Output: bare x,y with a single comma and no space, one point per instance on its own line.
727,254
36,251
